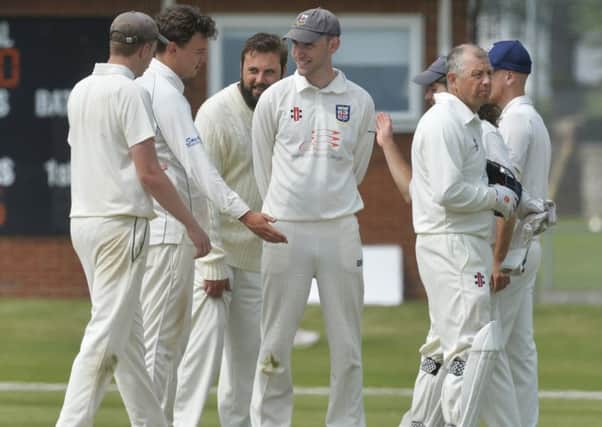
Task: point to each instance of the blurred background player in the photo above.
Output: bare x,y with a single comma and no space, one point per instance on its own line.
227,293
168,281
114,174
312,142
434,80
527,138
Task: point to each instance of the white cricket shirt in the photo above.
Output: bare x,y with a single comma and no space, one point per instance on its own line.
497,151
449,186
180,149
311,147
493,143
108,113
224,123
527,138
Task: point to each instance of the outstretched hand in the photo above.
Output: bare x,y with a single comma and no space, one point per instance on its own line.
384,129
259,223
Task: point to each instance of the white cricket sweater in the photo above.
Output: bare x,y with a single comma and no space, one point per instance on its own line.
224,123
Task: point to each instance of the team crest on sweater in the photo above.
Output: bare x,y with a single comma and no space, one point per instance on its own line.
343,112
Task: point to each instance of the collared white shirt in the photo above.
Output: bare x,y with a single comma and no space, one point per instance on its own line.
108,114
180,150
449,188
494,145
497,151
527,138
311,147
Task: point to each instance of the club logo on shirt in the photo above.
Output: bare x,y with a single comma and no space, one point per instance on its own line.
192,140
479,280
343,112
296,113
323,143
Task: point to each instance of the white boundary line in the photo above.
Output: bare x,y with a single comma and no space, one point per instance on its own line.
318,391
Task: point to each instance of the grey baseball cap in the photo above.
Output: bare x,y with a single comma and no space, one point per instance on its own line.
134,28
434,72
313,23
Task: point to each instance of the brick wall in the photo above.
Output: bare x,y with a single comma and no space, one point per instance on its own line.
48,266
40,266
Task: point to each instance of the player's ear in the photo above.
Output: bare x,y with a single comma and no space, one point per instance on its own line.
171,47
451,80
333,43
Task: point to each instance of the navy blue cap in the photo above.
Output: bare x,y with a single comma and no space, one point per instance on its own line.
510,55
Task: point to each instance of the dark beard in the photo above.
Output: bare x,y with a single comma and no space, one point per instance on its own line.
247,94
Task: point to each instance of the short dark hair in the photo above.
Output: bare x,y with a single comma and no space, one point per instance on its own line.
179,23
122,49
266,43
442,80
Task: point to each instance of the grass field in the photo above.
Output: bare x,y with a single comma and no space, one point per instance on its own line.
574,256
40,339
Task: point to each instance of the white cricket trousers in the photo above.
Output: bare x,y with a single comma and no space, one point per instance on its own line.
225,331
166,298
331,252
456,270
112,252
515,307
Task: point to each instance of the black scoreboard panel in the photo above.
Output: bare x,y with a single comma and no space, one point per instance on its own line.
41,59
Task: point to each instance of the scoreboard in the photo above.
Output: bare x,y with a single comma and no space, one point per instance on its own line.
41,59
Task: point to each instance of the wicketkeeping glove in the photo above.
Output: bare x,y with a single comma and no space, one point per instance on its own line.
505,201
499,174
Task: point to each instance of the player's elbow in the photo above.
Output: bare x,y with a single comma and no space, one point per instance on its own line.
442,197
149,178
450,198
405,193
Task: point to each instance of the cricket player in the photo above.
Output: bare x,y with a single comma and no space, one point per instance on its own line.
168,281
312,141
227,293
452,212
527,138
426,402
114,173
434,80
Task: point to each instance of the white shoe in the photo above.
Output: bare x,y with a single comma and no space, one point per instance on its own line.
305,338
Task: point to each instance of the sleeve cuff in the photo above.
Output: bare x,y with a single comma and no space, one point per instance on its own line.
238,209
212,270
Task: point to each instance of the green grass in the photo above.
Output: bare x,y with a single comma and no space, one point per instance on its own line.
41,337
575,256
